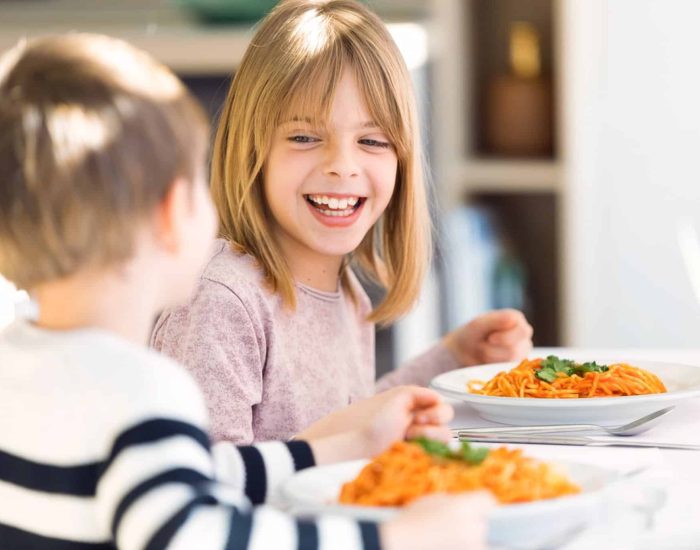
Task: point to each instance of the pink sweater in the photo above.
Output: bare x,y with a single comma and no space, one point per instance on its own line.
268,372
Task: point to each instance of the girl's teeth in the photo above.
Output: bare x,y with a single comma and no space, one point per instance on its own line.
334,203
336,213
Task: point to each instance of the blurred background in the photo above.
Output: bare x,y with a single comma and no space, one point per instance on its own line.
563,138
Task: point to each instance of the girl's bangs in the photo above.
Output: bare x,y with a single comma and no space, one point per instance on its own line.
311,91
312,88
384,104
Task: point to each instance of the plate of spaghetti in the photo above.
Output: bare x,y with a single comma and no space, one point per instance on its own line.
554,390
539,501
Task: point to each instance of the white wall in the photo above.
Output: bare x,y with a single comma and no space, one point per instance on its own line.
631,108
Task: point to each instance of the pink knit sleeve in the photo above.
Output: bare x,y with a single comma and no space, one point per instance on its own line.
421,369
222,346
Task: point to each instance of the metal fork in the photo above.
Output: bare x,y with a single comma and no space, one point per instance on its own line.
631,428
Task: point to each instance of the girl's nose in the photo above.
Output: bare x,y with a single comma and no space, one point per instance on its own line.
341,162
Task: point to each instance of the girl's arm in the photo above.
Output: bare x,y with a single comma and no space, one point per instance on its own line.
223,348
496,336
422,369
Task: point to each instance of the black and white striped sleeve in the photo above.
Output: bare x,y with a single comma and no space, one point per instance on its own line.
259,470
157,490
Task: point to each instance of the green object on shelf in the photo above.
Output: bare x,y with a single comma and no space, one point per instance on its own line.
227,11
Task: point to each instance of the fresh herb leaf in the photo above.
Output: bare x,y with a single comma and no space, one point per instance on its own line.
591,367
473,455
432,447
467,453
548,375
552,365
559,365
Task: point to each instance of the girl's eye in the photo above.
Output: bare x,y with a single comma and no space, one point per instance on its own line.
303,139
376,143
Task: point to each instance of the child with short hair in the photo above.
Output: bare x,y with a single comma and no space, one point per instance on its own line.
105,217
316,167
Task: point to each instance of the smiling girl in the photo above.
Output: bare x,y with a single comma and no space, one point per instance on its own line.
316,175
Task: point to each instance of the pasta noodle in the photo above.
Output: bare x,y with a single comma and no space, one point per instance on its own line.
617,379
406,471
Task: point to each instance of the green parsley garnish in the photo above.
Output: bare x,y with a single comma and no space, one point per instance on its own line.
553,365
465,452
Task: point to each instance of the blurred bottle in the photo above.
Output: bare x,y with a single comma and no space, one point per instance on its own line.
518,106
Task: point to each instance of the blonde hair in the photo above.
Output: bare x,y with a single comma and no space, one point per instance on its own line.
94,132
294,63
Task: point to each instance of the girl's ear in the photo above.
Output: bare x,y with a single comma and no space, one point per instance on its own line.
171,215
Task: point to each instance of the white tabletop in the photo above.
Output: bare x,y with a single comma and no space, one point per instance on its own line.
654,510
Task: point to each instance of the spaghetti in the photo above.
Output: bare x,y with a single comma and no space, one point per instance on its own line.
406,472
562,379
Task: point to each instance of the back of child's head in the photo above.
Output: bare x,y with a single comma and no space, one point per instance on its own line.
94,132
292,69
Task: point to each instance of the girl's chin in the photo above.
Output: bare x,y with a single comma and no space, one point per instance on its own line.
326,247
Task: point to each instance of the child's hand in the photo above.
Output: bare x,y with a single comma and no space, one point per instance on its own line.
441,521
367,427
496,336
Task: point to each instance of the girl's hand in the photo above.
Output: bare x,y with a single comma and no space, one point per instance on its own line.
496,336
366,428
441,521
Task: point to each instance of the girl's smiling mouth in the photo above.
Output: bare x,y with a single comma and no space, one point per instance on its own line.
335,209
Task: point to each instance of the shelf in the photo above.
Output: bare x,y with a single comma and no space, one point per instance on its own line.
497,175
498,98
184,51
169,34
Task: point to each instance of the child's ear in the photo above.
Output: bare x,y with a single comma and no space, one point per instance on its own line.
171,215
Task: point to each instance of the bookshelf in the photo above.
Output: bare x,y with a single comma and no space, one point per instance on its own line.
523,191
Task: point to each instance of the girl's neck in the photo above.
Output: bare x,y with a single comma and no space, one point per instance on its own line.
324,279
318,271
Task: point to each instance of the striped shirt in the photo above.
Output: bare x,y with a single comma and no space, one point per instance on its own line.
103,444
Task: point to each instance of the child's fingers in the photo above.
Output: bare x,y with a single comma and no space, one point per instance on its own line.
511,337
419,397
498,354
497,320
441,413
440,433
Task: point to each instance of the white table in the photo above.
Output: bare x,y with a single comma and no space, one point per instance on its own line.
658,521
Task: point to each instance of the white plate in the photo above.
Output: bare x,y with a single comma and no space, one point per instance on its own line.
531,525
681,381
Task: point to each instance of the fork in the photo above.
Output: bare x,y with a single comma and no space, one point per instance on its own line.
631,428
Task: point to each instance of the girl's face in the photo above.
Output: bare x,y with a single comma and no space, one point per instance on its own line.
327,186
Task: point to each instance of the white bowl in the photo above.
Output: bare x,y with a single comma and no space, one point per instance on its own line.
681,381
530,525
